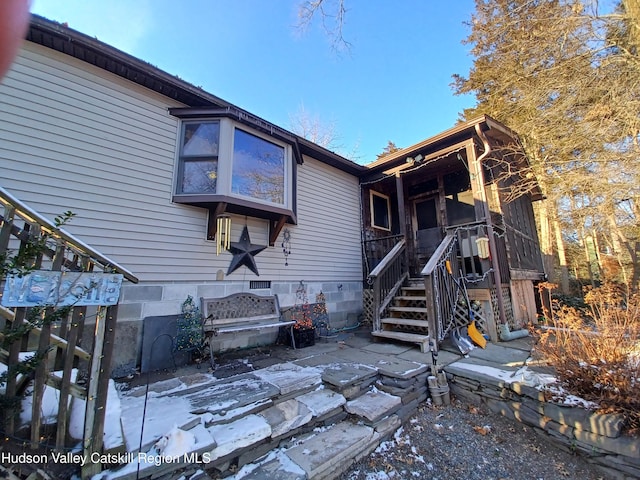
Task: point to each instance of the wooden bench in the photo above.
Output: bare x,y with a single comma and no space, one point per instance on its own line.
241,312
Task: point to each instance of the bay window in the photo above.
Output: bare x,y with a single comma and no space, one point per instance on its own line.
225,165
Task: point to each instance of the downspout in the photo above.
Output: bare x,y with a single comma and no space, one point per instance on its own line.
490,233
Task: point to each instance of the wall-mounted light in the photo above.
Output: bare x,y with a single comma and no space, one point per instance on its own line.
223,232
419,158
483,247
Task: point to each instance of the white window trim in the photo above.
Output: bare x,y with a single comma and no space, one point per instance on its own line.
373,193
225,162
287,166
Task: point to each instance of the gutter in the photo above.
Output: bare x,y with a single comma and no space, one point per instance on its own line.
487,214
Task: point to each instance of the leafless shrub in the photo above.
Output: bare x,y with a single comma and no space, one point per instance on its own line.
596,353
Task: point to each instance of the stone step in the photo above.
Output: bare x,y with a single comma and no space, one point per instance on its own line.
249,419
422,340
373,406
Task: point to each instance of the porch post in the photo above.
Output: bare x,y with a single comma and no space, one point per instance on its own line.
402,219
477,178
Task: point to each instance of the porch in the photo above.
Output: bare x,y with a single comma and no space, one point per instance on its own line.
446,241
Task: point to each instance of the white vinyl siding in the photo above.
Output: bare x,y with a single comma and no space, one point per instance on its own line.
327,236
74,137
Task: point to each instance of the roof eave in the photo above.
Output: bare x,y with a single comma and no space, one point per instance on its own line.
63,39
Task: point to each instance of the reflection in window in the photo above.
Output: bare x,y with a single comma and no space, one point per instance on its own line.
199,176
201,139
459,198
199,158
258,168
380,210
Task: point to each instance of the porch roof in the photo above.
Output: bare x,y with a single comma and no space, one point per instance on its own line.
465,130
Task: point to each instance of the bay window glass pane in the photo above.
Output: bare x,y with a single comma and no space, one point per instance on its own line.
199,176
199,157
258,168
201,139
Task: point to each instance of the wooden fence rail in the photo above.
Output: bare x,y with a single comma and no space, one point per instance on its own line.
74,368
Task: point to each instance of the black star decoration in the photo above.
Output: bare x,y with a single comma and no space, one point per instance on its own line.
243,253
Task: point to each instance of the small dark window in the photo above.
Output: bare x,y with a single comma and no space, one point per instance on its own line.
459,198
259,284
380,211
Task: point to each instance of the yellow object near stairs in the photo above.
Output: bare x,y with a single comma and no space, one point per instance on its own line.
476,336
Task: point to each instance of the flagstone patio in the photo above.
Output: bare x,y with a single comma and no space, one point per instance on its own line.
277,412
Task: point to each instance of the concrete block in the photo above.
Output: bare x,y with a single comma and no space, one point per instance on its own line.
231,288
129,311
180,292
212,290
281,288
144,293
158,309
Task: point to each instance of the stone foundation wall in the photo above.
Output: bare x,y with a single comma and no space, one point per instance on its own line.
343,300
598,437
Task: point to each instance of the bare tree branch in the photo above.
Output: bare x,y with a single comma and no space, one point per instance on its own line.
332,14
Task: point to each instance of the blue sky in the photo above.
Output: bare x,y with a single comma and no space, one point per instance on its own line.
393,85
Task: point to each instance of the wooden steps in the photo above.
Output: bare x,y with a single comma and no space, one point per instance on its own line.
407,321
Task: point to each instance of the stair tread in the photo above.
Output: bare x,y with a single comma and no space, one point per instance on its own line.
405,321
413,287
408,309
411,298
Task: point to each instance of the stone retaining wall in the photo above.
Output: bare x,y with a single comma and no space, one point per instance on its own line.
598,437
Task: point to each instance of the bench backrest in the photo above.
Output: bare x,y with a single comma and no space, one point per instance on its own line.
239,305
